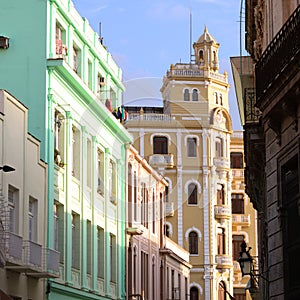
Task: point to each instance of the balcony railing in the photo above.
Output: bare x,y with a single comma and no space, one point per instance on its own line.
221,162
281,51
222,212
169,209
161,160
223,261
150,117
243,220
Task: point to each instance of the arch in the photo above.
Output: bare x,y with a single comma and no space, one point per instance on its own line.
186,186
191,136
186,94
169,180
195,93
196,285
189,230
170,227
221,117
160,134
201,54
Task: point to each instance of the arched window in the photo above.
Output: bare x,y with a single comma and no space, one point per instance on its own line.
194,294
195,95
201,56
167,230
192,193
221,99
216,97
186,95
193,242
220,194
192,147
214,56
160,145
219,147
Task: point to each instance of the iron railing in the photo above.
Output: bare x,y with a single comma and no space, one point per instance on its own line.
279,53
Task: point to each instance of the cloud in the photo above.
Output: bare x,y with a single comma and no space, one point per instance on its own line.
167,11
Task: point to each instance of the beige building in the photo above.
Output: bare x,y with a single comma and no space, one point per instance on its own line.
25,259
243,217
188,140
157,267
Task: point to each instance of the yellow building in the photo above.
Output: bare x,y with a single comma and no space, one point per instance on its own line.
188,140
243,216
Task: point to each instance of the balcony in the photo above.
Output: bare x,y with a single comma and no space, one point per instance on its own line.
281,53
169,209
237,173
152,117
240,219
221,162
223,261
222,212
161,161
29,257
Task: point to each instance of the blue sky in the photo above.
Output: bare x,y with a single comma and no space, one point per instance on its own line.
146,36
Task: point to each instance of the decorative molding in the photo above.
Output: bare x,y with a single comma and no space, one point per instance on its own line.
193,228
160,134
195,182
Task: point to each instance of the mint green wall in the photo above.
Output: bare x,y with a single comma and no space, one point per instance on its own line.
23,64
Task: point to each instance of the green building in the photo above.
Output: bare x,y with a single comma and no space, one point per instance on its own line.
53,62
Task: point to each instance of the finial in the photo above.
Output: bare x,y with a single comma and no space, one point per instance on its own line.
205,29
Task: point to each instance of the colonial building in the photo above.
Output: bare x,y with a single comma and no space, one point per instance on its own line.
157,268
188,140
64,75
271,117
243,216
25,259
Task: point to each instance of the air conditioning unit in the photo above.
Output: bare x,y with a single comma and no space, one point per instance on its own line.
101,81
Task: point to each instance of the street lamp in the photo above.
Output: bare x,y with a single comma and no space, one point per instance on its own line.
6,168
246,260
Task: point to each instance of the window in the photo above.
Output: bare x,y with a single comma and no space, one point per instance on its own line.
236,160
201,56
113,258
88,246
89,163
193,242
160,145
192,147
13,206
75,241
216,98
144,275
76,59
186,95
90,75
237,203
135,196
129,188
100,171
194,294
32,222
76,153
236,245
220,194
192,193
221,241
153,211
100,251
221,99
59,139
167,230
219,147
154,276
61,49
59,229
112,182
195,95
222,291
144,205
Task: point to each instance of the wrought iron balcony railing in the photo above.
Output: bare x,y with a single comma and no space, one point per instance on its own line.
280,52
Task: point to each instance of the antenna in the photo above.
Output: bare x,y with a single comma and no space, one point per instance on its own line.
100,33
191,34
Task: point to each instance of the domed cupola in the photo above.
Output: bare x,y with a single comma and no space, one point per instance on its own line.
206,51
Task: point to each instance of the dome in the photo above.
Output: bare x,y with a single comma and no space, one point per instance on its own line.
206,37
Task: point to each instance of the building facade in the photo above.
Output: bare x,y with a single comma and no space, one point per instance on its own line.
25,259
271,119
71,84
157,268
244,224
188,140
